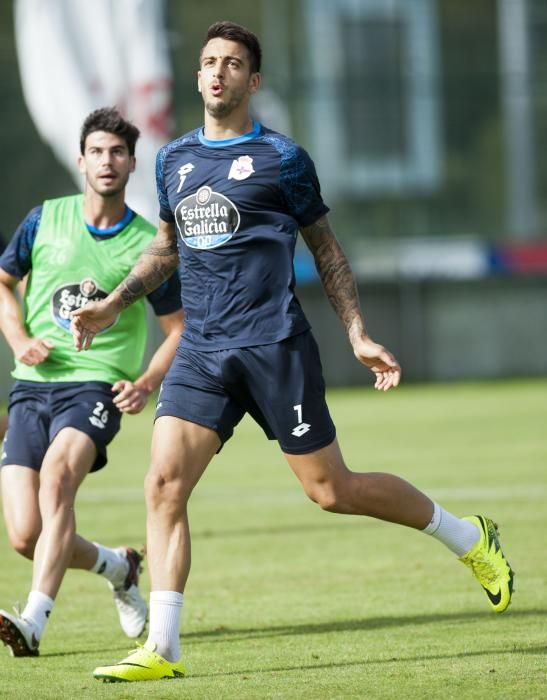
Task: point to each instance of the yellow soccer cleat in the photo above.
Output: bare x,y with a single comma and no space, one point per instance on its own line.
489,565
143,664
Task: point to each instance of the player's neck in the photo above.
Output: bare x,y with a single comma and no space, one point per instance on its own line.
230,127
103,212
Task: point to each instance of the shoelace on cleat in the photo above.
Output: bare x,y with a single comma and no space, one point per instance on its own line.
18,612
131,652
487,567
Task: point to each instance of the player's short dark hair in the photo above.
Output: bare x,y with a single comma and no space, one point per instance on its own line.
235,32
110,120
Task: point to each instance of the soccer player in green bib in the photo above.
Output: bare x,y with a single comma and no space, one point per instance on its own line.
65,407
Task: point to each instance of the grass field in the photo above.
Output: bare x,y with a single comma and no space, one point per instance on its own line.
286,601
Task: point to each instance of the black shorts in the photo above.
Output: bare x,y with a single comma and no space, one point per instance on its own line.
280,385
39,410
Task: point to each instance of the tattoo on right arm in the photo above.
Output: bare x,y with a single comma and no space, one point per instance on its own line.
158,262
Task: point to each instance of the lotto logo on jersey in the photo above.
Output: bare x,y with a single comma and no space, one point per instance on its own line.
206,219
70,297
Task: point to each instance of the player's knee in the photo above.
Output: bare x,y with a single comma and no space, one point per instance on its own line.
23,542
57,491
325,494
163,487
155,485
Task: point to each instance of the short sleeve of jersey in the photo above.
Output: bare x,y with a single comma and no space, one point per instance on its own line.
298,181
166,298
16,260
165,210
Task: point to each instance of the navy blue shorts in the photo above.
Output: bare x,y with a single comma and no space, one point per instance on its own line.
280,385
39,410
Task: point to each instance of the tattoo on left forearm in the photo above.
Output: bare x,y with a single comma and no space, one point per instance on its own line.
336,275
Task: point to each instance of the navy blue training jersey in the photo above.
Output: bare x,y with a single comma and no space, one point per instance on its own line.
237,206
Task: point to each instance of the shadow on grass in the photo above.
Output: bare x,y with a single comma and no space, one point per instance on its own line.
223,634
539,650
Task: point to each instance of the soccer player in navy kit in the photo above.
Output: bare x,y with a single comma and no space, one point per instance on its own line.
233,196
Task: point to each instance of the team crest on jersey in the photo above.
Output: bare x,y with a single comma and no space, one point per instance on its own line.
206,219
241,169
70,297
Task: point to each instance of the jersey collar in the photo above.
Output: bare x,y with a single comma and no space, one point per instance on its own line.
221,143
128,215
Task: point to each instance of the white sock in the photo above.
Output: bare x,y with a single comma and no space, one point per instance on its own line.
37,610
457,534
164,625
112,564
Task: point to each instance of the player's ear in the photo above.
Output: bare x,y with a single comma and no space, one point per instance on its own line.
199,81
132,164
81,165
254,82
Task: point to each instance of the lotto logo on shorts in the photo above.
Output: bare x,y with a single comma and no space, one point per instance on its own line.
302,428
206,219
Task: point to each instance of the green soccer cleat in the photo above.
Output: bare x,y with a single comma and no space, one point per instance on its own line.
143,664
489,565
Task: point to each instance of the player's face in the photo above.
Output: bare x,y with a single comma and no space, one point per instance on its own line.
225,79
106,163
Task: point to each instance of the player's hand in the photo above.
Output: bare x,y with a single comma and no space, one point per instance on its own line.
378,360
130,398
33,351
91,319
